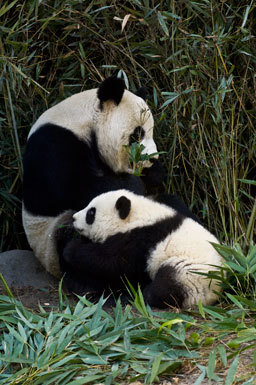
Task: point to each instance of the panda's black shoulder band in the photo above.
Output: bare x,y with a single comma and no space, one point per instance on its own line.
111,89
142,93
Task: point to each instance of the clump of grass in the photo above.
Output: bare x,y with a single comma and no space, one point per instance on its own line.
197,59
86,344
238,274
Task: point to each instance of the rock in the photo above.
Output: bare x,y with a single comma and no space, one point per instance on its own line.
21,269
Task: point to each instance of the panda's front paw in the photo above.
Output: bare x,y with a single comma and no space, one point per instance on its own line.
72,251
64,234
153,176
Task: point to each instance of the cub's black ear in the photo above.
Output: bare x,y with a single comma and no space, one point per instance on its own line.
142,93
111,89
123,206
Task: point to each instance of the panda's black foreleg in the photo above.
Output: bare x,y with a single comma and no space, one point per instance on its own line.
75,278
96,258
152,177
165,290
103,265
65,231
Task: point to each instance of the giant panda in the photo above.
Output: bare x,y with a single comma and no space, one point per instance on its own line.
163,247
75,151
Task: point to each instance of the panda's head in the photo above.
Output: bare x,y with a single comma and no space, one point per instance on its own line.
117,212
123,118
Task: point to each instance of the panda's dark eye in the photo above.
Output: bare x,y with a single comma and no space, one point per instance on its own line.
137,135
90,216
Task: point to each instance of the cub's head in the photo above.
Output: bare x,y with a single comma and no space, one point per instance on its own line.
123,118
106,215
118,212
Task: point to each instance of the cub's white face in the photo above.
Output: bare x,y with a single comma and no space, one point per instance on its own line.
100,219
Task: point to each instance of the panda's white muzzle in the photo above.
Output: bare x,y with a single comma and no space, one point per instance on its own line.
150,147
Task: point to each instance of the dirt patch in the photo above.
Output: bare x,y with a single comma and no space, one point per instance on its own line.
32,297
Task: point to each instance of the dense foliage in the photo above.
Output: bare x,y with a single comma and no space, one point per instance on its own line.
197,60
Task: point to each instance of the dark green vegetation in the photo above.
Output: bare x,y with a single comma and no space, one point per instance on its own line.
86,344
198,62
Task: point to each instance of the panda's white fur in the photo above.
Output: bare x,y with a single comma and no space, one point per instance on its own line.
112,123
80,112
187,249
40,232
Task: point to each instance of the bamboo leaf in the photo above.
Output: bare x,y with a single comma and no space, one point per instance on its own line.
155,368
162,23
232,371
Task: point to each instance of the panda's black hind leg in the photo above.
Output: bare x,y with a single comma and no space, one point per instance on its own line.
165,290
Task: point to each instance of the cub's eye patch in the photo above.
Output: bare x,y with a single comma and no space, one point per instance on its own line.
137,135
90,216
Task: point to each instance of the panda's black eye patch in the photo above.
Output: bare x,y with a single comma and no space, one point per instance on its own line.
90,216
137,135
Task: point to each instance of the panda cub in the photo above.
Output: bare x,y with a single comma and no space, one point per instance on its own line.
161,247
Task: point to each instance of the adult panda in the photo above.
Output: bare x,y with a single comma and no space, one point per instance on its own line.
162,246
76,151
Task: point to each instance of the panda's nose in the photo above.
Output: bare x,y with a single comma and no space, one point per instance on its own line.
75,223
77,228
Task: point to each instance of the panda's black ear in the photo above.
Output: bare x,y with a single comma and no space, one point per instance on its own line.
111,89
142,93
123,206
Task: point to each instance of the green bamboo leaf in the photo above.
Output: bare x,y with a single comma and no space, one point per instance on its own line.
171,15
248,181
223,355
16,335
214,314
127,341
234,300
162,23
6,8
169,367
251,304
48,322
201,309
87,379
247,10
170,100
155,97
64,361
8,291
155,368
16,360
170,323
22,332
202,375
232,371
211,366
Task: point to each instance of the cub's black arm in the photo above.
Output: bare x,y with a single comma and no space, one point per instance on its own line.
118,255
